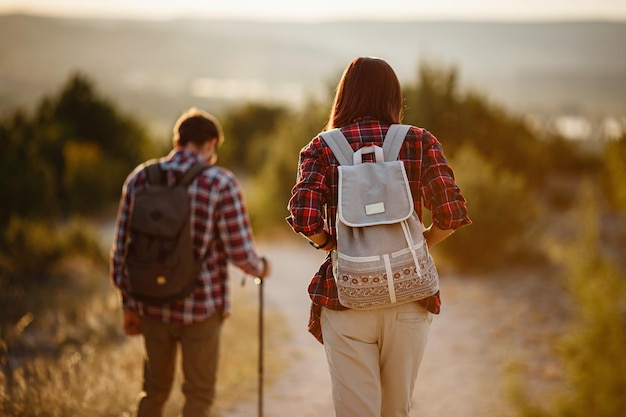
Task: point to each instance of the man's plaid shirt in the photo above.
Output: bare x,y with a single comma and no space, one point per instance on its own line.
313,203
221,233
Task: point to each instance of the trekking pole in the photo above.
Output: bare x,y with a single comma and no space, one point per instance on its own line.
259,282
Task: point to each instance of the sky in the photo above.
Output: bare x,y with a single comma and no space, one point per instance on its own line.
319,10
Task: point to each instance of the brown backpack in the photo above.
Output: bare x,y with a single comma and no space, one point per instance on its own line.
160,262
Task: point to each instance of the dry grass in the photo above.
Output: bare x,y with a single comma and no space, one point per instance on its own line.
75,361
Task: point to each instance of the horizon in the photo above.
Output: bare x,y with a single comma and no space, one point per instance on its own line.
549,73
324,10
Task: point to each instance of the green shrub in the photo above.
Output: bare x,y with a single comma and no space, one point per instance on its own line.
269,192
71,156
32,249
593,350
502,211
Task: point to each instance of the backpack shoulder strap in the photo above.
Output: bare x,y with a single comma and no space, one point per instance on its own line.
153,171
338,143
394,140
192,173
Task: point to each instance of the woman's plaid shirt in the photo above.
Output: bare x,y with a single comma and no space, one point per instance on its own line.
313,204
221,234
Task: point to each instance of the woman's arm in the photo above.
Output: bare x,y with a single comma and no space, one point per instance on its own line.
435,235
323,241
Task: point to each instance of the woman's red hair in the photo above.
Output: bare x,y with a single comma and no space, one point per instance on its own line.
370,88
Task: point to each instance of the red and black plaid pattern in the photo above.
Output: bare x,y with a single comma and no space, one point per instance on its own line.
221,233
314,198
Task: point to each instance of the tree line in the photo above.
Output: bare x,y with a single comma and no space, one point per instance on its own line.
71,155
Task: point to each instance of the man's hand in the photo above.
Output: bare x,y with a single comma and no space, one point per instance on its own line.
266,268
132,323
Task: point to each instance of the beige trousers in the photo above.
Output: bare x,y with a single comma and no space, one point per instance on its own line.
199,343
373,358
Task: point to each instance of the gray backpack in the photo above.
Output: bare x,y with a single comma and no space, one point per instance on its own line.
381,257
160,262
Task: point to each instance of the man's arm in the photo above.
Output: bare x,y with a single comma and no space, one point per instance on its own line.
236,232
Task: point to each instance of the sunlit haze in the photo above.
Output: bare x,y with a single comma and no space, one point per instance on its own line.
326,9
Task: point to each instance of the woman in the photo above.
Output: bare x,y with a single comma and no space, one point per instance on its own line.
373,355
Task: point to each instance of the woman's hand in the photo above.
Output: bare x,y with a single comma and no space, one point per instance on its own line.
435,235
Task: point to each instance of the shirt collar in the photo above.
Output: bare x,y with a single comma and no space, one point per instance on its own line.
183,156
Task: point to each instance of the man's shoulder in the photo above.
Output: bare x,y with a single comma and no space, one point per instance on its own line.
138,174
220,175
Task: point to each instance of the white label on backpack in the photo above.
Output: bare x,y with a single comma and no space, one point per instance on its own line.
374,208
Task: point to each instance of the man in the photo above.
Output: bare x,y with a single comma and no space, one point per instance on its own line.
221,233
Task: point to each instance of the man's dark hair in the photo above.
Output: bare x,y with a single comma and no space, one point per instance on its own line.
198,127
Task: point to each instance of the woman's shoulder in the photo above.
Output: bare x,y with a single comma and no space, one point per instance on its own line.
315,145
422,135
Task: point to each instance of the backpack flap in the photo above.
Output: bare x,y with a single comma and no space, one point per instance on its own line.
374,194
152,214
160,261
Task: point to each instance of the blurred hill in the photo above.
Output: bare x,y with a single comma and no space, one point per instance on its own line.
157,68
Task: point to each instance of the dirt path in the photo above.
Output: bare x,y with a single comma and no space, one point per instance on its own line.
486,325
303,390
